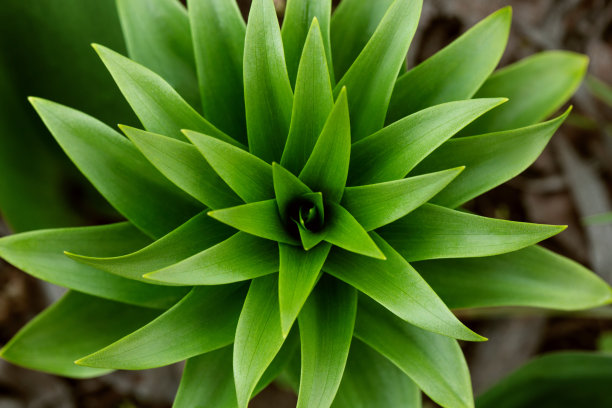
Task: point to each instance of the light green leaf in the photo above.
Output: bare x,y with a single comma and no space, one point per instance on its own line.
370,380
297,27
236,259
199,233
575,379
326,329
352,26
376,205
391,153
435,363
158,106
203,321
600,89
397,286
313,99
536,86
218,32
534,277
456,72
258,337
246,174
432,232
298,274
310,239
260,219
343,230
490,159
370,82
183,164
75,325
287,188
41,254
327,168
267,90
117,169
158,36
598,219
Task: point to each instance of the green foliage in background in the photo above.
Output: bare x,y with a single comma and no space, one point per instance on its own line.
303,206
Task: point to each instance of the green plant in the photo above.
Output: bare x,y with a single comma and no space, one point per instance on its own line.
341,214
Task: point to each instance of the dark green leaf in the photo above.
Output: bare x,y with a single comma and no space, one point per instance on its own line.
343,230
600,89
397,286
392,152
267,90
77,324
326,329
376,205
456,72
432,232
203,321
287,188
533,277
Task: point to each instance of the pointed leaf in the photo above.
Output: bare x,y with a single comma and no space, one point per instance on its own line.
267,90
369,82
236,259
260,219
344,231
326,330
533,277
490,159
203,321
77,324
117,169
392,152
435,363
158,106
310,239
536,86
313,100
398,287
158,37
327,168
298,19
376,205
298,274
258,336
456,72
196,235
246,174
370,380
183,164
432,232
41,254
287,188
218,32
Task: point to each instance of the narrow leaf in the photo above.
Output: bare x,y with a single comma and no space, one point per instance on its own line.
600,89
398,287
203,321
298,274
41,254
247,175
77,324
327,168
376,205
236,259
313,99
456,72
533,277
371,83
117,169
287,188
267,90
432,232
435,363
158,36
490,159
536,86
218,32
343,230
391,153
326,330
183,164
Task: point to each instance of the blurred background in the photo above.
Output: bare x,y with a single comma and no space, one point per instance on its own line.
44,51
